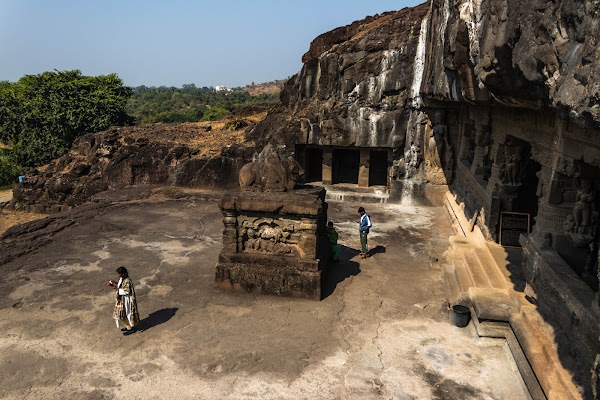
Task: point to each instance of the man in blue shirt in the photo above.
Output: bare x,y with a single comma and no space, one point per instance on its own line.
364,224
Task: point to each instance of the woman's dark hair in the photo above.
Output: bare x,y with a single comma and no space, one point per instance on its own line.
122,271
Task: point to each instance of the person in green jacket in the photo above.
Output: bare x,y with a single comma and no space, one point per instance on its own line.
332,236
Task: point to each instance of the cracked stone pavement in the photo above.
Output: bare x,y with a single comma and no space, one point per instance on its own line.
382,332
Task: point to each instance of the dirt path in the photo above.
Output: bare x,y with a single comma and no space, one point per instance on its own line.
382,332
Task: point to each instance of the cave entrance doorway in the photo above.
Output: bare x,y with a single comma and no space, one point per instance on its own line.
345,166
527,199
378,168
313,165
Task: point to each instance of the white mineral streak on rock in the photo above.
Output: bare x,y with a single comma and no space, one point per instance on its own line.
318,77
442,27
374,89
419,65
470,13
408,189
389,60
307,84
373,132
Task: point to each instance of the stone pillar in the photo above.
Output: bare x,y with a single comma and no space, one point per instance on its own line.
308,237
230,236
497,168
327,165
478,160
363,169
483,139
552,212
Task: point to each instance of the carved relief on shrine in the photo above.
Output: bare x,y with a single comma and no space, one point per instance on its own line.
269,236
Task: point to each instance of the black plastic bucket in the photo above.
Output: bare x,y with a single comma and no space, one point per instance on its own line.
461,316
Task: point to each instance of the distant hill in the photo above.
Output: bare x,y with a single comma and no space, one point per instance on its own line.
265,88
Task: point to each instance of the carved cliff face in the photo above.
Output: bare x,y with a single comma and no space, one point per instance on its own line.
360,82
530,54
355,85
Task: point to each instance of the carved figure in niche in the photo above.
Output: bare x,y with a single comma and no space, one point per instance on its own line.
569,224
269,172
539,191
582,211
433,153
512,168
546,240
437,140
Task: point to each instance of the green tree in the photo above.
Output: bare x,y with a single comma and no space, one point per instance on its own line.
41,115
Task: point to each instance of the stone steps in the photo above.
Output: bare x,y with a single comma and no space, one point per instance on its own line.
458,283
355,193
476,271
477,276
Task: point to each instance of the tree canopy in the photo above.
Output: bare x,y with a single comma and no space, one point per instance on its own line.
41,115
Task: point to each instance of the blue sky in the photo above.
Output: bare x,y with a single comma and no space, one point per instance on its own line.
154,43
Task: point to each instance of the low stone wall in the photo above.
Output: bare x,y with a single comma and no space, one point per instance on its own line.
564,299
274,243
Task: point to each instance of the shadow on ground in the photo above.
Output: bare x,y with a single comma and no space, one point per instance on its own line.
338,272
376,250
157,318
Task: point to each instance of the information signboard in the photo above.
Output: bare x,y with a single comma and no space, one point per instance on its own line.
512,225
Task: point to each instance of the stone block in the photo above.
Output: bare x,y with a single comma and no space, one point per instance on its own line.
274,243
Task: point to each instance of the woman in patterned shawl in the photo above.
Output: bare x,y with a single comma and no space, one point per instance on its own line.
125,311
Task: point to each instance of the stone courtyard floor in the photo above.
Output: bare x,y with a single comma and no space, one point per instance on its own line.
381,332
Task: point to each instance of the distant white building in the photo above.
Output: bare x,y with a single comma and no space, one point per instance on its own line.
223,89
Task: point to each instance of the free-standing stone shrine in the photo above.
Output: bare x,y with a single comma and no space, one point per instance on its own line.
273,239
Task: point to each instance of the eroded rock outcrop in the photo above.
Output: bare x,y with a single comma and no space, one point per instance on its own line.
180,155
189,155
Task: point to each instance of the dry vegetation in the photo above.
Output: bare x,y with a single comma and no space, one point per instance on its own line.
11,218
208,137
